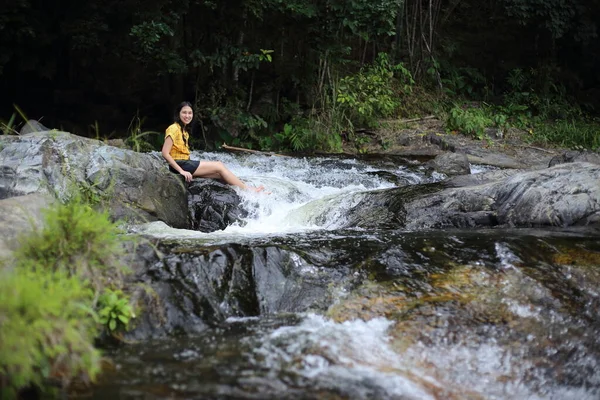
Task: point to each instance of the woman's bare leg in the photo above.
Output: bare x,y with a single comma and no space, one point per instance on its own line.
217,170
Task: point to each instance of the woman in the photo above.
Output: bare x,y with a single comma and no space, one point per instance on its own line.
177,153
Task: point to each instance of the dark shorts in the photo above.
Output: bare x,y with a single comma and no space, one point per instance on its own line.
187,165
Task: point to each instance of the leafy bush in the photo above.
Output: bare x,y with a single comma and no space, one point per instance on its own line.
469,120
80,240
536,92
46,329
115,312
48,298
369,94
295,137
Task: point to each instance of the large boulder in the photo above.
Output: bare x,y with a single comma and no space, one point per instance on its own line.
213,205
451,164
561,196
19,215
182,289
137,187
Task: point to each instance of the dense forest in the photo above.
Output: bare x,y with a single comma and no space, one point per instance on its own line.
300,74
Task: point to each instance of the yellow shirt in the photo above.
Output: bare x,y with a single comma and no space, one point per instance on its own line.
180,149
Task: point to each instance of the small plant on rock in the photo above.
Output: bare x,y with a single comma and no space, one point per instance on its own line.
115,312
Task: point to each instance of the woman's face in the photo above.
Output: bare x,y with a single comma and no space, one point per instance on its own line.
186,114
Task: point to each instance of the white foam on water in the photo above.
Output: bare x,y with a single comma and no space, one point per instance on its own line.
507,257
353,353
305,194
358,356
491,371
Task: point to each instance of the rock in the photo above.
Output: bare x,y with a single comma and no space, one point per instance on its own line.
575,156
137,187
480,178
380,208
19,215
184,289
493,133
439,140
213,205
451,164
120,143
32,126
564,195
496,160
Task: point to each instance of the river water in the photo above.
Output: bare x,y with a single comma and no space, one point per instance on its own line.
453,314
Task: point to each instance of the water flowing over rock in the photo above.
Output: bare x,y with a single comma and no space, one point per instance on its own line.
351,280
497,314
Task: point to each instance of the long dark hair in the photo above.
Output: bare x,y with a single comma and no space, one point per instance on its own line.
188,127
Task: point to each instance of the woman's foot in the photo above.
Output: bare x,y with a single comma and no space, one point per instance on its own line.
257,189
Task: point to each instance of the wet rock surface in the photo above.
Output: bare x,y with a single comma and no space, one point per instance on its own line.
185,287
213,205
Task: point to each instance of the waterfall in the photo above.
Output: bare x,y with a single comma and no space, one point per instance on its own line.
306,194
293,303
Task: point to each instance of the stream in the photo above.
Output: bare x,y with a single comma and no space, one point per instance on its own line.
389,314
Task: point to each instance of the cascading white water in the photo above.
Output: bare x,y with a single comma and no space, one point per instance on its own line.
305,194
415,315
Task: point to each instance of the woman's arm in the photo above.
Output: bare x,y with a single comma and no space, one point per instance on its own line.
166,153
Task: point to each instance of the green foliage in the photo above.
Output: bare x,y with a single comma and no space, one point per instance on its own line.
463,81
235,125
149,33
247,60
571,133
77,239
115,312
536,93
8,127
49,294
358,16
512,115
296,136
47,329
137,139
266,54
369,95
557,16
152,46
469,120
360,142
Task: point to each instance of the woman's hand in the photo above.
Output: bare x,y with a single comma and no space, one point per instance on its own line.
188,177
